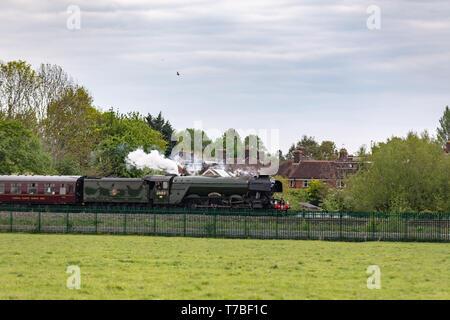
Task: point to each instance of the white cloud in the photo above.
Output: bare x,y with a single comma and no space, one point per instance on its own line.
254,62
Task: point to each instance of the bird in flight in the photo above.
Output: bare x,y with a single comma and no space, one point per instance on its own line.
178,73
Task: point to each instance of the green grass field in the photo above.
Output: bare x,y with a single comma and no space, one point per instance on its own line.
33,266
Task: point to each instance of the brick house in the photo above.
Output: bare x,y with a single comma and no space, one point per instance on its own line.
301,170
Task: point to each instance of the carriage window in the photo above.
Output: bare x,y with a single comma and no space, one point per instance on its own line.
49,188
62,189
32,188
70,188
16,188
2,188
164,185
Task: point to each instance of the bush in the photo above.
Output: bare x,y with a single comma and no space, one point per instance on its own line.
337,201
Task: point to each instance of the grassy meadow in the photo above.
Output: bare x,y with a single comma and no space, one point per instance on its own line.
33,266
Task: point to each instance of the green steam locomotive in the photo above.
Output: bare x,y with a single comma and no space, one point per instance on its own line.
180,191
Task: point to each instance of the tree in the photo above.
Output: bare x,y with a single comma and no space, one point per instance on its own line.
313,150
191,135
362,152
122,134
337,200
252,141
18,84
292,195
160,124
53,84
443,132
327,151
309,143
254,145
20,150
69,129
405,174
231,140
281,157
316,192
49,103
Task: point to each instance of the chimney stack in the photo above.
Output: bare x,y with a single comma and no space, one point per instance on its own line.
221,155
343,154
299,154
260,156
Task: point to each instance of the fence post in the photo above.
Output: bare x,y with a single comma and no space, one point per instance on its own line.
124,223
440,226
406,226
96,222
154,221
215,223
67,222
245,224
307,226
184,226
373,225
39,221
276,225
10,221
340,225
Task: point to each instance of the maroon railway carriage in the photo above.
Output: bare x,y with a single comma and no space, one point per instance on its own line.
29,189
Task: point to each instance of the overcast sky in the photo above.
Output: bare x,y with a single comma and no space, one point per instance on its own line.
303,67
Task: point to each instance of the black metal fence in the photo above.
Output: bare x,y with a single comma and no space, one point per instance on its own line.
228,223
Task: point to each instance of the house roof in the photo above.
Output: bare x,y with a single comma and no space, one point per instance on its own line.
217,172
309,169
309,206
39,178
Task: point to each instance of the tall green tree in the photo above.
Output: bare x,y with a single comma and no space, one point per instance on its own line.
405,174
69,129
21,151
191,135
316,192
18,85
443,132
309,143
121,134
326,150
162,125
53,85
253,141
231,140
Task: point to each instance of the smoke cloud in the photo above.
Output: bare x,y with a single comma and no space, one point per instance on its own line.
153,160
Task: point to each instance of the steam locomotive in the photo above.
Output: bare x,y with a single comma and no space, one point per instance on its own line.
151,191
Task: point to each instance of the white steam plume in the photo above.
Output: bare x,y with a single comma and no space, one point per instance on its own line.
153,160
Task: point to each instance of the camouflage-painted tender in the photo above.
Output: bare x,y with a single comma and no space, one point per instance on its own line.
115,190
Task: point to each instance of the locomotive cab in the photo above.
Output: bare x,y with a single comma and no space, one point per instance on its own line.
159,188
